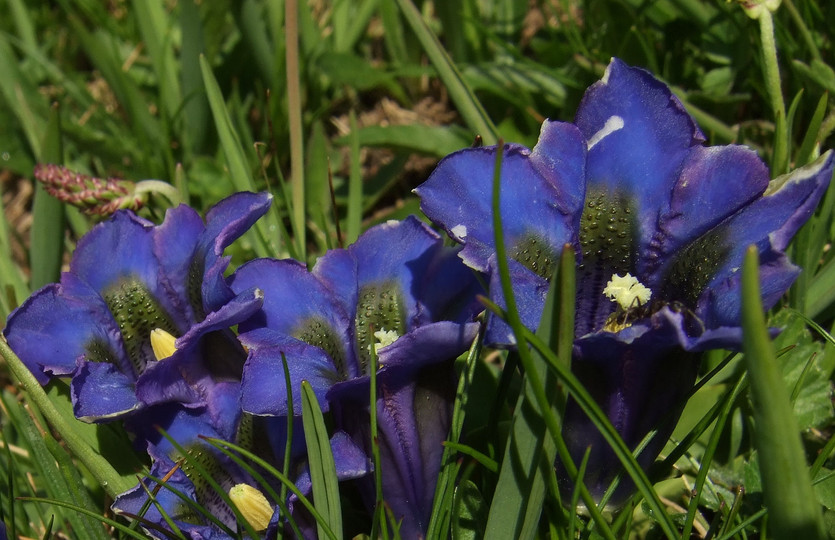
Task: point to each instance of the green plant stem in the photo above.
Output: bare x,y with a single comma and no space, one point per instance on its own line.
171,193
775,92
294,113
99,467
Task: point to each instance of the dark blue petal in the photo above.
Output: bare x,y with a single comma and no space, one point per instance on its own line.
175,241
264,390
640,380
538,199
426,345
52,329
638,136
413,416
123,249
529,290
101,392
715,183
769,222
225,222
292,296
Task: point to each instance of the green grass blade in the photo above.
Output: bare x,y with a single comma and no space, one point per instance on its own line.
47,214
112,523
804,154
793,510
322,467
465,100
354,217
445,488
267,242
294,114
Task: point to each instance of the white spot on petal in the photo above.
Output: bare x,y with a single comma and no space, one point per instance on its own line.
459,231
614,123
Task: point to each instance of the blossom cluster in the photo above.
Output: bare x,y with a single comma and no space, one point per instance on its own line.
153,332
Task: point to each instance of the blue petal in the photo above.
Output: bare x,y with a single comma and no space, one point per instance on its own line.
118,249
263,388
58,324
715,183
638,134
175,241
769,222
429,344
225,222
292,295
539,198
413,417
101,392
529,291
433,281
640,380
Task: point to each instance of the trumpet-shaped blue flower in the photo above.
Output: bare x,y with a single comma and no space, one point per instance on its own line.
397,294
659,222
128,278
263,436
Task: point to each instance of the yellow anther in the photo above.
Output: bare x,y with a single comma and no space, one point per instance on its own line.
252,504
384,338
627,291
162,343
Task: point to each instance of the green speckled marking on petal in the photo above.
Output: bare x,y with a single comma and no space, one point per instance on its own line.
194,288
379,307
536,255
608,244
137,312
201,454
693,267
318,332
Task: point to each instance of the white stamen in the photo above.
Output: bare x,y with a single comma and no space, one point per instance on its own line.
614,123
459,231
627,291
384,338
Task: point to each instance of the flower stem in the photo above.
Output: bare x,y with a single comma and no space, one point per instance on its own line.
158,187
775,92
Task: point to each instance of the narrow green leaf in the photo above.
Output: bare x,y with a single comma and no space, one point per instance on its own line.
354,218
294,115
267,241
793,510
465,100
45,254
804,154
445,488
322,468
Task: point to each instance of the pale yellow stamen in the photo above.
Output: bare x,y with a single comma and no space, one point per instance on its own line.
627,291
162,343
252,504
384,338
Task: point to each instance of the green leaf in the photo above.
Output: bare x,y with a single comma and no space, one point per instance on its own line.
465,100
236,159
322,468
435,141
469,512
47,248
793,511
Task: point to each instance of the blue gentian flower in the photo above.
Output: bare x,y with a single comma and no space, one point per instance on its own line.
396,293
128,278
659,222
264,436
